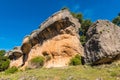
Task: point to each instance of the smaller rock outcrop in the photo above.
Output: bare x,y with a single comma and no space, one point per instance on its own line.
103,43
15,56
15,53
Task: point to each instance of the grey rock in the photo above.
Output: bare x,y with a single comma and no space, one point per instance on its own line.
103,43
15,53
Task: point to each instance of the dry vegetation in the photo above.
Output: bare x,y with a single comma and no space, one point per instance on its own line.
102,72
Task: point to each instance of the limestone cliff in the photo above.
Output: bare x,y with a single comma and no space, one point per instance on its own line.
57,37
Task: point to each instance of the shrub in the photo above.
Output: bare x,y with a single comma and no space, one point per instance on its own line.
11,70
116,20
2,52
85,24
4,63
37,61
76,60
113,74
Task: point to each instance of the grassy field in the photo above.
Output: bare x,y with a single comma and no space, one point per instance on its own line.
103,72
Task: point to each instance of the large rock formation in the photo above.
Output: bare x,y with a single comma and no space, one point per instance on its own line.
103,45
58,38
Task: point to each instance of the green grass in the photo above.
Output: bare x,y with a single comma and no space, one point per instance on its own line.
80,72
11,70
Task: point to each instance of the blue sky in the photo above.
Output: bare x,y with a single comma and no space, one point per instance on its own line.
20,17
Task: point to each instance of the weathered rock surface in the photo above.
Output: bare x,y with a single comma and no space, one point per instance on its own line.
58,51
15,53
58,38
15,56
103,45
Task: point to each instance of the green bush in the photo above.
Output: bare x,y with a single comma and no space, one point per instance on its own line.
113,74
11,70
2,52
4,63
85,24
116,20
38,61
76,60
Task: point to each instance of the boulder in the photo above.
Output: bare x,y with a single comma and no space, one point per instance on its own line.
103,43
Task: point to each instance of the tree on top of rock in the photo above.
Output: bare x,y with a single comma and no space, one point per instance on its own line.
116,20
85,24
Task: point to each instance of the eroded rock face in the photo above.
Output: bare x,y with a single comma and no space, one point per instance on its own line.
15,56
57,51
15,53
103,45
58,38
